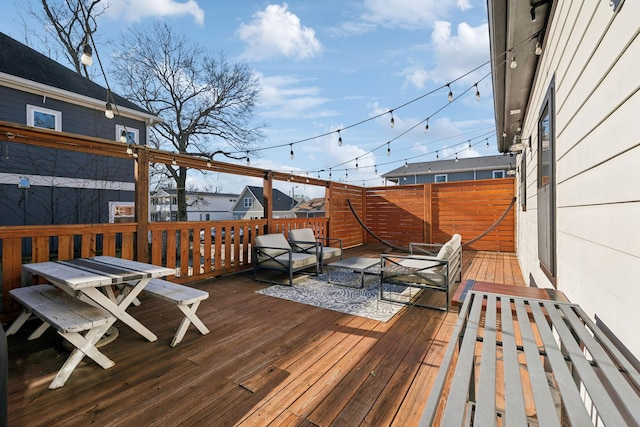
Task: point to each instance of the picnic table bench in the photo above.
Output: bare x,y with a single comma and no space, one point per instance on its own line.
71,318
521,361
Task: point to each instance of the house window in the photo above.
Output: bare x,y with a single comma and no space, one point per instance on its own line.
248,202
132,134
44,118
523,183
440,178
498,174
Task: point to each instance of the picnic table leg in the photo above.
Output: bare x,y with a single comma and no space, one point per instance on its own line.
119,310
83,346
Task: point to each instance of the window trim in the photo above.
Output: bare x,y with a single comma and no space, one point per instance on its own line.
130,130
435,177
250,202
501,172
57,115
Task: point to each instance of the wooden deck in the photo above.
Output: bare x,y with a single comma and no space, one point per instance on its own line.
266,361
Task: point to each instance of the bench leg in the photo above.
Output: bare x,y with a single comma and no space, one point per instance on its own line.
17,324
84,345
190,317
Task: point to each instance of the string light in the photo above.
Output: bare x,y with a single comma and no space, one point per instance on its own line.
469,144
339,139
393,122
513,64
426,127
487,142
291,153
208,163
346,174
375,169
429,168
538,50
437,155
307,177
248,159
329,174
129,150
356,163
87,55
406,165
123,136
388,149
174,162
108,112
450,92
456,157
477,93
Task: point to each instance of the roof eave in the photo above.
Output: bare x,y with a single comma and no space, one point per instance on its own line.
36,88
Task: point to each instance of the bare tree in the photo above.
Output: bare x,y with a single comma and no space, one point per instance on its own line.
71,23
206,103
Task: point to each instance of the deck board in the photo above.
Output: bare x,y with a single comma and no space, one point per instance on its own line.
266,361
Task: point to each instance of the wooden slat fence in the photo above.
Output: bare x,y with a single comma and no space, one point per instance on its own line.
430,213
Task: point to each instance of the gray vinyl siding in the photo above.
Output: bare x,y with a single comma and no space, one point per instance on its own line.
61,205
451,177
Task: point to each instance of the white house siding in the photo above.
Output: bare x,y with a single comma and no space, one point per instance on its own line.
594,55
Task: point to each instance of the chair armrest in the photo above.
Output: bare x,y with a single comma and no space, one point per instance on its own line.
425,248
262,249
329,240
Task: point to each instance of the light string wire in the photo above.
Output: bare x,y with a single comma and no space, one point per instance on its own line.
404,132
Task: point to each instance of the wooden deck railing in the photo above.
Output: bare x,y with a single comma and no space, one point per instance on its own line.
196,250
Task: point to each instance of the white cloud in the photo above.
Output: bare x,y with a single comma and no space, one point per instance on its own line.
408,14
136,10
287,97
454,54
276,32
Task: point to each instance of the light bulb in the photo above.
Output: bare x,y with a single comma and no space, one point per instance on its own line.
450,94
291,153
538,49
393,122
426,128
388,149
108,112
356,164
437,156
477,93
208,163
87,55
123,136
129,149
339,139
456,157
174,162
513,64
406,165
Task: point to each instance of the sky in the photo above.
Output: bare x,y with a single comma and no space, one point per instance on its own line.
335,65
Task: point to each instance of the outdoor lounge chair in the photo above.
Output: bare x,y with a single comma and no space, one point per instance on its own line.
273,252
420,272
304,240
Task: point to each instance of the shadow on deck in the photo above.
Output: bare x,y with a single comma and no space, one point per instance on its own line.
266,361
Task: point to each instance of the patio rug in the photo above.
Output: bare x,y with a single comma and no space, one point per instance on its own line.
363,302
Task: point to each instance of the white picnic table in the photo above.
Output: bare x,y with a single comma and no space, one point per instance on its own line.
85,277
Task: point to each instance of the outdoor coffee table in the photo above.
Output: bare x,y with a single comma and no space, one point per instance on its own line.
360,265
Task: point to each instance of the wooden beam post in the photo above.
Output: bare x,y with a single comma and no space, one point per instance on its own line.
267,194
141,174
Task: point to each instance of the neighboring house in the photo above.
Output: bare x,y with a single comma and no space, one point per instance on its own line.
46,186
464,169
250,204
313,208
575,97
201,206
